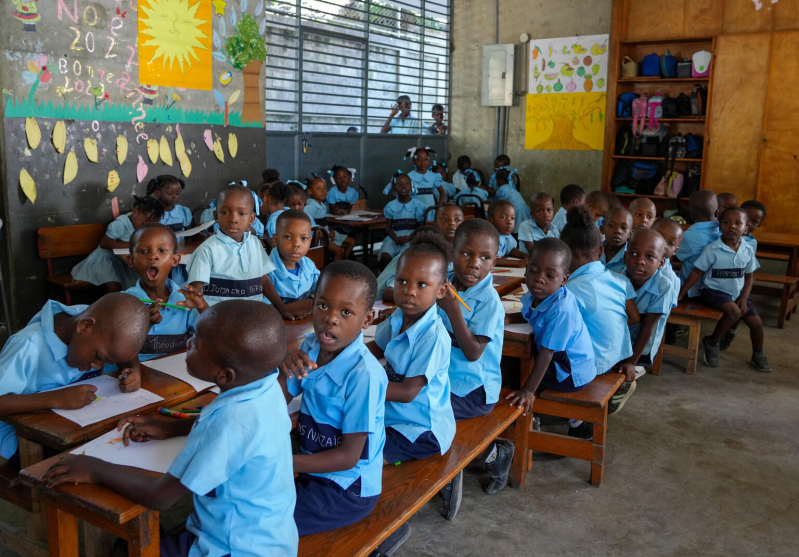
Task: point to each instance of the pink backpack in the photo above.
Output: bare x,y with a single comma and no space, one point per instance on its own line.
676,182
639,114
654,110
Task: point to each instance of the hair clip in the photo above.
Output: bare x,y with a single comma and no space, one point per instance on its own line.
314,175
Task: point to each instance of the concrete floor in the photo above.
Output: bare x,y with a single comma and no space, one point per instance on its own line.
697,465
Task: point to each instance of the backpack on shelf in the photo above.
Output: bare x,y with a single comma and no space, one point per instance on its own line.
693,180
650,67
639,114
668,65
660,189
700,64
621,179
644,177
684,105
684,68
653,141
675,184
670,108
624,106
693,146
625,142
699,101
654,110
677,149
629,67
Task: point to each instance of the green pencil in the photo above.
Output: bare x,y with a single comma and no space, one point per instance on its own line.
145,300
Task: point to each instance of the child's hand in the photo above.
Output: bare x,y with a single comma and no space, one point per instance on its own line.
521,399
402,240
628,369
142,428
73,398
449,303
129,380
195,298
681,296
155,313
742,305
394,109
297,364
294,313
73,468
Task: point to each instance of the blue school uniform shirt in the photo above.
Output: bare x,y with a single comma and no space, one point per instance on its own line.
426,186
293,286
449,189
558,325
405,217
506,245
317,211
35,360
479,192
694,241
271,224
530,232
257,225
424,349
657,295
486,319
348,395
725,269
616,264
560,219
752,241
229,269
178,219
172,333
602,298
102,265
668,272
238,465
509,192
335,196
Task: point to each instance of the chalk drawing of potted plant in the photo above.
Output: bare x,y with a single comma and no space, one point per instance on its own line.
246,51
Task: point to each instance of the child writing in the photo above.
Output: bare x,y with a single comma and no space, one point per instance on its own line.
606,301
459,178
104,268
616,227
570,196
477,336
294,275
597,203
167,190
233,263
64,345
403,216
340,201
705,212
472,189
344,393
672,233
503,216
240,478
726,266
415,343
316,208
427,184
644,213
506,189
565,357
540,226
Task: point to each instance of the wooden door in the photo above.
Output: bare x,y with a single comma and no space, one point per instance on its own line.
778,187
740,82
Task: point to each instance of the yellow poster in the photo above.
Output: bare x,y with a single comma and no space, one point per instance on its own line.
175,43
574,122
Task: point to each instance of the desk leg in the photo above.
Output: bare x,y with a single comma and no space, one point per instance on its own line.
145,538
62,532
29,454
793,263
96,541
521,457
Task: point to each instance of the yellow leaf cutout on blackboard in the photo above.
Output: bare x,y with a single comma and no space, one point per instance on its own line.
60,136
122,149
90,146
152,150
113,180
166,153
220,154
185,165
232,144
33,132
70,167
180,147
28,185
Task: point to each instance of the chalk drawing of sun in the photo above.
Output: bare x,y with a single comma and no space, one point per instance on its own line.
175,31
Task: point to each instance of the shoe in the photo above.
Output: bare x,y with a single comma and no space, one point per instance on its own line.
499,468
623,393
727,339
451,495
536,425
640,371
393,542
760,362
583,431
711,353
680,330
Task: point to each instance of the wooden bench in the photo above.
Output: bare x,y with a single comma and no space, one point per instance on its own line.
67,241
589,404
777,256
789,296
690,314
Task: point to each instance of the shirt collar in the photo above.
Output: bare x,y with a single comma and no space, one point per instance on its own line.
617,257
225,239
719,243
528,311
49,311
588,269
417,329
240,394
342,364
281,266
650,286
174,294
476,292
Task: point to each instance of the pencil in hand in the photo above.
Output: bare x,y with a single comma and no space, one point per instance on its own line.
459,298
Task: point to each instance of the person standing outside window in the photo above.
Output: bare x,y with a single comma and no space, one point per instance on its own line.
438,127
406,123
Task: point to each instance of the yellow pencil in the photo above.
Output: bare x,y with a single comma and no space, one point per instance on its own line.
459,298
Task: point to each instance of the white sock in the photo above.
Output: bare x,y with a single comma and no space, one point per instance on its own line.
492,455
575,423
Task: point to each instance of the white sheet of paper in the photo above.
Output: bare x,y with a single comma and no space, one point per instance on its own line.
110,401
295,404
176,367
512,307
379,306
195,230
510,272
121,251
369,333
513,297
155,455
523,328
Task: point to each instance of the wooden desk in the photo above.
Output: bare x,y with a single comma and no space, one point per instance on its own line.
504,285
365,228
520,345
787,244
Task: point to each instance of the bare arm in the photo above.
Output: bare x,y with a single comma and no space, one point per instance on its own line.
633,316
376,351
406,391
390,230
648,323
387,126
343,457
470,344
695,275
524,397
109,243
70,398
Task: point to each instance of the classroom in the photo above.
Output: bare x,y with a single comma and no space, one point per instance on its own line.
305,278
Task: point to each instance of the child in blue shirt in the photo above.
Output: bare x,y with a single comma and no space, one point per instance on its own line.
296,201
258,224
167,189
502,161
565,360
449,189
617,226
726,199
756,212
343,386
473,181
727,266
464,163
270,198
503,216
540,225
237,461
570,196
233,263
294,275
339,202
102,267
644,213
672,233
506,189
704,210
654,293
427,185
63,345
403,216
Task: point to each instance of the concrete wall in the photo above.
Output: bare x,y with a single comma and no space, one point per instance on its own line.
472,125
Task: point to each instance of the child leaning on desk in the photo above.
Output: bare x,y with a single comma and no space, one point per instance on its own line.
294,276
238,470
63,345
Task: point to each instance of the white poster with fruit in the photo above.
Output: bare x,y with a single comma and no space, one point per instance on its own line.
569,65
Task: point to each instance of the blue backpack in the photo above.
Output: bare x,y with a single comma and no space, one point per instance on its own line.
668,65
693,146
624,106
651,66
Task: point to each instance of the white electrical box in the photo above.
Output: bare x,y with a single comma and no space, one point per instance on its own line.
498,75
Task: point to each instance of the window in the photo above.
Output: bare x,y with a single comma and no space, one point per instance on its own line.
336,64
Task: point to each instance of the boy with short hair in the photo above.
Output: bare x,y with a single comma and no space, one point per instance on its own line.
296,200
597,203
294,276
756,212
672,234
570,196
541,225
503,216
705,212
237,459
616,227
727,266
644,213
726,200
403,215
